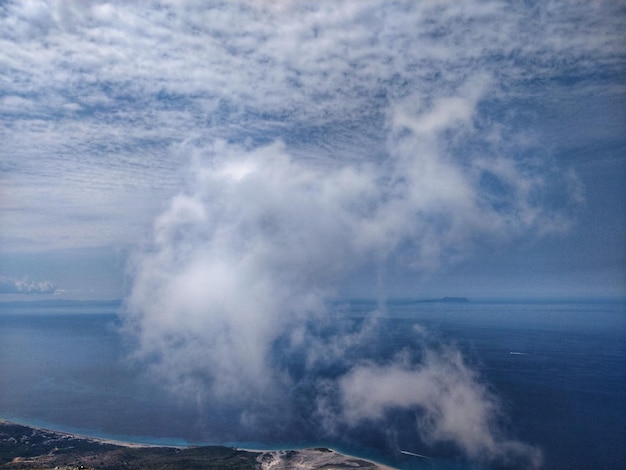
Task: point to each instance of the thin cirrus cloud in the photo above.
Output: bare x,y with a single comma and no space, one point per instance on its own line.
266,152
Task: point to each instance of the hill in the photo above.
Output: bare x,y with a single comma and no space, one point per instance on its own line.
23,447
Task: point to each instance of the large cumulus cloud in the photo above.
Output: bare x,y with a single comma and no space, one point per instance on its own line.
246,258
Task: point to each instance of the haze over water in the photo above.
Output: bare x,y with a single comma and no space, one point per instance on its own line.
563,393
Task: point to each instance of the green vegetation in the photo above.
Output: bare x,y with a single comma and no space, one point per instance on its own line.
22,447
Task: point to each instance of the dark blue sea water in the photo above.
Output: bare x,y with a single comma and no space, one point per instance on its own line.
564,390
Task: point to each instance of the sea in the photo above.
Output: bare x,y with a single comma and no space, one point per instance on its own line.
558,367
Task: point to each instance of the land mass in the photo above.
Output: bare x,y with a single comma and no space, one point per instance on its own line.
24,447
453,300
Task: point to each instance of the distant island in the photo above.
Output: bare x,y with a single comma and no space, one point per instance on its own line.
446,300
24,447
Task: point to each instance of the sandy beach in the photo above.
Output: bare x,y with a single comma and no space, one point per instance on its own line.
88,438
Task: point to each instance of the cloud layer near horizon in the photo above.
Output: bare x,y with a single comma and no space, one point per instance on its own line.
25,285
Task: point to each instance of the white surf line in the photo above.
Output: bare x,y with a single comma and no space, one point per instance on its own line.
516,353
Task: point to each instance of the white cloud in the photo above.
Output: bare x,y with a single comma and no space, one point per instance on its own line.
449,401
25,285
249,253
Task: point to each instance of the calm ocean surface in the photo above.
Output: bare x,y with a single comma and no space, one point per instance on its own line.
564,390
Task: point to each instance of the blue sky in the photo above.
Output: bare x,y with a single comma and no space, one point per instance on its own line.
354,148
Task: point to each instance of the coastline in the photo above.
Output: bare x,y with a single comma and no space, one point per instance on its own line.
88,438
306,458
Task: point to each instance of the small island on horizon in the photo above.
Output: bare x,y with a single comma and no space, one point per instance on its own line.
26,447
446,300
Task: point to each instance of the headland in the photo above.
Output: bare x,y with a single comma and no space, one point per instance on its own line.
26,447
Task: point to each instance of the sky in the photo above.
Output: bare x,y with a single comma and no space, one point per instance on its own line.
371,149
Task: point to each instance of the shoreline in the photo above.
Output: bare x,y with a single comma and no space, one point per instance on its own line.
86,437
274,453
